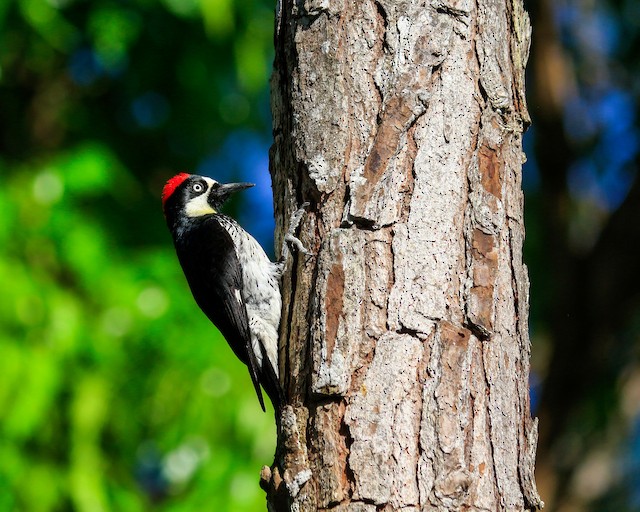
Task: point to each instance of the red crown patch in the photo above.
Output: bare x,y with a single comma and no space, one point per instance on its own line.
172,185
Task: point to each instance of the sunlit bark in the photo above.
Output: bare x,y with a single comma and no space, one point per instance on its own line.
405,351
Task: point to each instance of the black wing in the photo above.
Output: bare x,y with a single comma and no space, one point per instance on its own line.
212,269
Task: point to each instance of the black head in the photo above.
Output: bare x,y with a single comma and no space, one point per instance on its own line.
188,196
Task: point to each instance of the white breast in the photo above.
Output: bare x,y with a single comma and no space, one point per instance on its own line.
261,290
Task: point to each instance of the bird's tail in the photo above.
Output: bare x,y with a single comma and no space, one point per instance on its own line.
271,383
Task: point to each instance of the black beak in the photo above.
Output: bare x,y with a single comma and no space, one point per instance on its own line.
219,195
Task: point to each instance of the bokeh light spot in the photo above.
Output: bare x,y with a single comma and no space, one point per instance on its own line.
117,321
47,188
153,302
215,382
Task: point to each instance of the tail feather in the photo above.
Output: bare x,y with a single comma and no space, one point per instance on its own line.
256,378
271,383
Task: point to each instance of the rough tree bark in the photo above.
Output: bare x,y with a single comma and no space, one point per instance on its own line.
404,343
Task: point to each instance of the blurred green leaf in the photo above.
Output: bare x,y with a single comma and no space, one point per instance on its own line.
49,23
35,392
87,170
253,59
218,17
113,30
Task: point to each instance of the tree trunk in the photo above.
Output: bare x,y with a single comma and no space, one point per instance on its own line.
404,343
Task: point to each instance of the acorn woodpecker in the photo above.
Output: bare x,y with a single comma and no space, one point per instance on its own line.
231,278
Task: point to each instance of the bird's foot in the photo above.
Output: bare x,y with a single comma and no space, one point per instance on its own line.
290,238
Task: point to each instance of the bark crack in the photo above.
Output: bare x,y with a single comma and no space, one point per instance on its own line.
483,348
458,14
382,13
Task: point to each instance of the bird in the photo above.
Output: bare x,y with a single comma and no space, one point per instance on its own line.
231,278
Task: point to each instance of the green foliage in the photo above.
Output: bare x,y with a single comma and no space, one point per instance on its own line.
117,393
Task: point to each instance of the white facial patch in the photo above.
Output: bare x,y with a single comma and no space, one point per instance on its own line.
199,206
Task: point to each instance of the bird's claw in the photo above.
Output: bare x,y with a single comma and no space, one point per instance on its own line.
297,216
289,237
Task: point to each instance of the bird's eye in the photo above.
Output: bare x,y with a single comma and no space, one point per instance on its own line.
197,187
